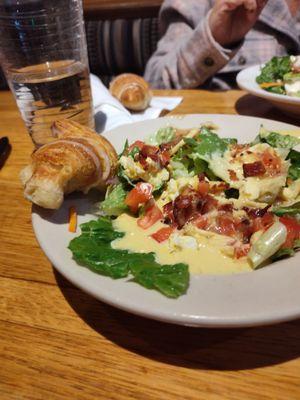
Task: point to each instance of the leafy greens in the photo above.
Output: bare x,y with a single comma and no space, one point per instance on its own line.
294,170
114,202
163,135
208,143
93,249
273,71
289,210
278,140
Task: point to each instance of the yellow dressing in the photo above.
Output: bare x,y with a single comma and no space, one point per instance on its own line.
208,258
293,132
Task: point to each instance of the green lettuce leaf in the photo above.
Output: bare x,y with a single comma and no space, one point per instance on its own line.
294,170
114,203
207,143
93,250
275,139
163,135
275,69
290,210
193,158
286,252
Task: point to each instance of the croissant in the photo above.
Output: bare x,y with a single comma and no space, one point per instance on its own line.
77,160
132,91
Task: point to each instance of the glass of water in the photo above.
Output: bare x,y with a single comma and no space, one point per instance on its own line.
44,57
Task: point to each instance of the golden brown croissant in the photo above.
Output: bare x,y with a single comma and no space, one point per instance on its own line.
132,91
78,160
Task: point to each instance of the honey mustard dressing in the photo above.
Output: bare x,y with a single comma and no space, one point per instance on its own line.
210,256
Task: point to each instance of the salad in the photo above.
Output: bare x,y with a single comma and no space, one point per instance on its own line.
184,196
281,75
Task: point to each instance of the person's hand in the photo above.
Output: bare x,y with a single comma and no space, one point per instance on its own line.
230,20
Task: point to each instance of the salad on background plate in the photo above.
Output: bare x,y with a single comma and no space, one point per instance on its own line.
281,75
187,201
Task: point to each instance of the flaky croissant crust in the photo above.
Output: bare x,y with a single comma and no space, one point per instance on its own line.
78,160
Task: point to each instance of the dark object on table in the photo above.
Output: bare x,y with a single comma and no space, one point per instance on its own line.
5,149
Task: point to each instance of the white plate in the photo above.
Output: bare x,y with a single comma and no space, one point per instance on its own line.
246,79
262,297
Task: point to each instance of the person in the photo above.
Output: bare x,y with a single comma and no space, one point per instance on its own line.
206,42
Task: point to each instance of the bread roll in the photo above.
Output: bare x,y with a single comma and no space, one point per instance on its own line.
132,91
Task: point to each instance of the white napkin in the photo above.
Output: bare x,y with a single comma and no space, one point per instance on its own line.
109,112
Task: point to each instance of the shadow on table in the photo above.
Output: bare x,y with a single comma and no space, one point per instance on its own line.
222,349
258,107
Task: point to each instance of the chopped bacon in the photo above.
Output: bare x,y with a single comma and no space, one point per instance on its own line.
219,187
160,157
143,163
256,212
138,143
241,251
169,145
237,149
262,223
191,203
233,175
163,234
271,162
168,214
244,229
226,207
164,158
150,151
203,187
256,168
209,204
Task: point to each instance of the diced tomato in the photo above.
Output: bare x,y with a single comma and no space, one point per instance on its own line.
241,251
272,162
225,225
293,231
152,215
140,194
262,223
226,207
162,234
137,143
203,187
200,221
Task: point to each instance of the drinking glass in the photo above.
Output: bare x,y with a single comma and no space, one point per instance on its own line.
44,56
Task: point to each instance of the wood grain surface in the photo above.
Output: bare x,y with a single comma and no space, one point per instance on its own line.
58,343
112,9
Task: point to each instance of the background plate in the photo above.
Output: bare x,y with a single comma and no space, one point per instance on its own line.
262,297
246,80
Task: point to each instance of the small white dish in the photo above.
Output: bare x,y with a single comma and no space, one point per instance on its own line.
246,80
266,296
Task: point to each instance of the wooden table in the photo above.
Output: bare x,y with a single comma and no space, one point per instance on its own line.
58,343
112,9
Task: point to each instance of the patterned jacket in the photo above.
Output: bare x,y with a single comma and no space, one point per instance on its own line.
187,56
